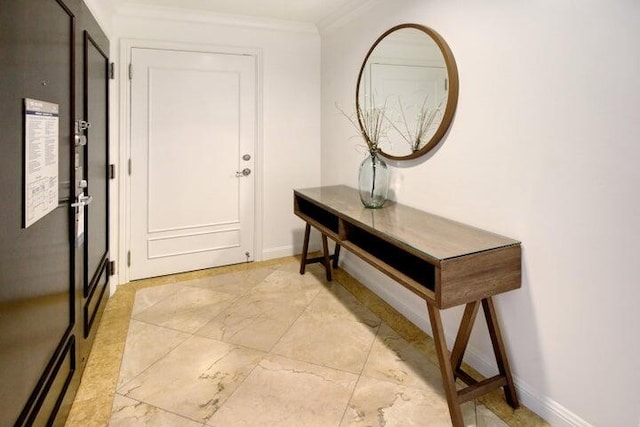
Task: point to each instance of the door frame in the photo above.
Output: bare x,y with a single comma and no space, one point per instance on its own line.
124,152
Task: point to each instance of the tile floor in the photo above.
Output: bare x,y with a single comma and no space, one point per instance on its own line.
261,345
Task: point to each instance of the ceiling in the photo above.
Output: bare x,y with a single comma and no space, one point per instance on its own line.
311,11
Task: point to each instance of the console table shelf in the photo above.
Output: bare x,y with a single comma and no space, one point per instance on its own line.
445,262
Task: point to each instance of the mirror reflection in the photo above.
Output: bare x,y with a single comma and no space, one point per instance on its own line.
407,75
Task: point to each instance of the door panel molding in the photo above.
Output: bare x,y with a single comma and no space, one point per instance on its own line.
193,243
193,227
45,410
90,277
94,300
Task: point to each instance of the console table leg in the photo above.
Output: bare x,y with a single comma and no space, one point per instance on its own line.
445,366
325,258
305,248
336,255
500,351
326,261
462,339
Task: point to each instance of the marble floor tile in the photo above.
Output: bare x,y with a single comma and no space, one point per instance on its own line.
314,273
328,341
194,379
113,326
132,413
101,373
281,392
331,360
236,283
253,321
486,418
148,297
122,299
394,359
186,310
260,317
383,403
287,287
153,282
338,303
94,412
285,279
294,267
146,344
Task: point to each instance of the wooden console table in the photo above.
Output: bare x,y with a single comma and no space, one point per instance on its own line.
444,262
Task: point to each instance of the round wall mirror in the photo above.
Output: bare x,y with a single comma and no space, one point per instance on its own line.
407,91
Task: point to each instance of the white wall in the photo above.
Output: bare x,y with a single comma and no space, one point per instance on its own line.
544,148
290,106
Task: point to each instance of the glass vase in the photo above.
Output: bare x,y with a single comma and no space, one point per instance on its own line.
373,181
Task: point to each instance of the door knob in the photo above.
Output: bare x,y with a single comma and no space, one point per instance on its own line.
80,140
245,172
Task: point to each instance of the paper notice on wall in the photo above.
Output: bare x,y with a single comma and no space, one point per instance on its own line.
41,151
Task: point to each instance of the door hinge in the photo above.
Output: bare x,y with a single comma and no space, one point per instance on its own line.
112,171
130,71
128,258
112,268
112,71
129,167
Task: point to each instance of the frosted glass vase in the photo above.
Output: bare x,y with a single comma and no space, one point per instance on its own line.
373,181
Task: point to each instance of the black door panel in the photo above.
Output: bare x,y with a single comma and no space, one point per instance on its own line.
42,343
36,288
96,158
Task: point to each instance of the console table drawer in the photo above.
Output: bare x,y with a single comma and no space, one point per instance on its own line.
476,276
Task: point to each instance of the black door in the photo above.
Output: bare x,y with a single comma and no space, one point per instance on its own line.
49,304
94,165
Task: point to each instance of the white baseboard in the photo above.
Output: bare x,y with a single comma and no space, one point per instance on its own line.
280,252
550,410
290,250
114,281
391,292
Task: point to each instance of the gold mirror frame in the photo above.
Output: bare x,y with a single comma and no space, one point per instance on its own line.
452,95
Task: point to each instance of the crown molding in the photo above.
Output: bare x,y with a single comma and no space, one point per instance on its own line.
345,15
137,10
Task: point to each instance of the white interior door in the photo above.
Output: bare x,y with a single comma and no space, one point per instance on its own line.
192,135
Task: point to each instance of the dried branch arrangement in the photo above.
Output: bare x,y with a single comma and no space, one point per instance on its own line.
374,125
415,136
